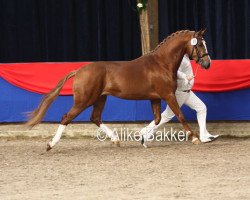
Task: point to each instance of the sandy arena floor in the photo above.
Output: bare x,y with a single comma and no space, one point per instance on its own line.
90,169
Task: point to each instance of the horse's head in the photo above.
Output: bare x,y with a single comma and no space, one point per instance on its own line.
197,49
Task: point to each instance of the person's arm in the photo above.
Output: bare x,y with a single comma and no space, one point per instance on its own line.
182,75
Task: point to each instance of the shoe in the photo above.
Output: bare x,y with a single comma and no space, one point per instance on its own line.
205,140
209,138
213,136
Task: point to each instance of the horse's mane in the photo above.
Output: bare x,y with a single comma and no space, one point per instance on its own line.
168,38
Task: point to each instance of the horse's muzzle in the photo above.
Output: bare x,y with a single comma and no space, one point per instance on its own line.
205,64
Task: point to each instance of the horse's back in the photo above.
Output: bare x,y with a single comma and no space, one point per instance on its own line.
129,79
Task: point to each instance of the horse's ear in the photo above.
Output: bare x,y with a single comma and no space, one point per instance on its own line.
203,31
199,33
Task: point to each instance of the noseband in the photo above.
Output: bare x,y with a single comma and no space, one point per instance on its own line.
199,57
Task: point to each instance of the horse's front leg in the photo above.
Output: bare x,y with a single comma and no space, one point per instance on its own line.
173,104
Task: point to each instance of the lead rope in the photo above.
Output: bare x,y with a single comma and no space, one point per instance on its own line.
196,71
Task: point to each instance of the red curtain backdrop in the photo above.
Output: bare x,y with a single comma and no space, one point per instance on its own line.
39,77
223,75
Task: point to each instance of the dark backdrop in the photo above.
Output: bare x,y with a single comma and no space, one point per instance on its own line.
83,30
227,23
68,30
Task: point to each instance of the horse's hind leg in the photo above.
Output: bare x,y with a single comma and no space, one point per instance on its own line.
96,119
97,110
66,119
156,107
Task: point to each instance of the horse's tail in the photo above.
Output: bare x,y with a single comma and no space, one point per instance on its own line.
37,115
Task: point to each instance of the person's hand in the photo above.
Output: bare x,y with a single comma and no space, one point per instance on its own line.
190,77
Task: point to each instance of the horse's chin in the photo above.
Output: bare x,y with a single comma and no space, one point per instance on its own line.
205,67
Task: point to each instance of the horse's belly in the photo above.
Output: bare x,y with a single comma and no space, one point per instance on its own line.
132,96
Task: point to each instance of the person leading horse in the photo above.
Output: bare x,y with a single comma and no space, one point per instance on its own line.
152,76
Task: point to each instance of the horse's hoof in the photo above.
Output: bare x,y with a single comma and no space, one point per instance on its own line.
116,143
48,147
143,142
196,141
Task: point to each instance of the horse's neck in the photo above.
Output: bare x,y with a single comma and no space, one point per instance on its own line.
171,54
178,56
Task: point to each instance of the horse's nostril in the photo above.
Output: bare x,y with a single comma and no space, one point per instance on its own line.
208,65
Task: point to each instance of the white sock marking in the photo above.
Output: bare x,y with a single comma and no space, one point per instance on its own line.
58,135
108,131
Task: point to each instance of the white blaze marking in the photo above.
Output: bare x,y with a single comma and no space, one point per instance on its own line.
204,43
58,135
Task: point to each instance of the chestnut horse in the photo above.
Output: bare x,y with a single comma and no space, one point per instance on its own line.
152,76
